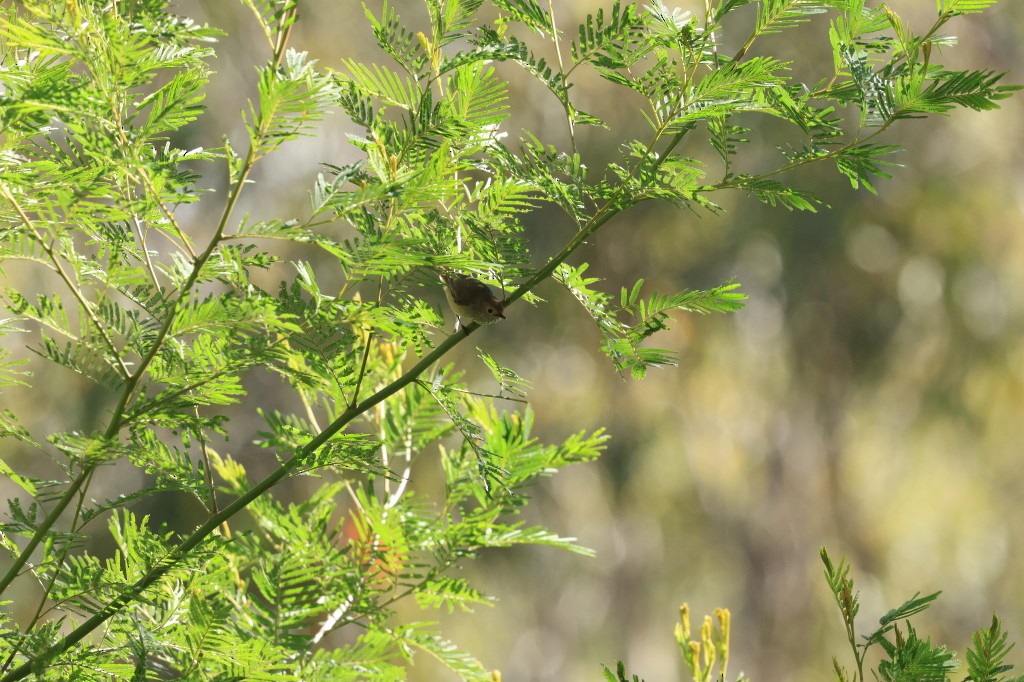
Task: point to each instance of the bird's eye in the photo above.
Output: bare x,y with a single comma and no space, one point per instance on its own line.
490,310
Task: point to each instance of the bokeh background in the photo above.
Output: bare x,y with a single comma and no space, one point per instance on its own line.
867,399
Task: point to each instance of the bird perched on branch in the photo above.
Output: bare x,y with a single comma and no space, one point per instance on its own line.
472,300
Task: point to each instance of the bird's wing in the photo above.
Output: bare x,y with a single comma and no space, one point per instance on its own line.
467,289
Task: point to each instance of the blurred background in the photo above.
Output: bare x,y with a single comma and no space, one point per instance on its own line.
867,399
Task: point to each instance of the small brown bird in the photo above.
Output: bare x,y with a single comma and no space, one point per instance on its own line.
472,300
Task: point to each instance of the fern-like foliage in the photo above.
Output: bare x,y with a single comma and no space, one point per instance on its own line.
213,387
986,657
626,325
902,653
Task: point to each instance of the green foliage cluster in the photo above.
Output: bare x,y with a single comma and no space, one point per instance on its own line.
169,320
903,654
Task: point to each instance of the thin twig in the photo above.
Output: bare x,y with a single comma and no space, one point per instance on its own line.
564,77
